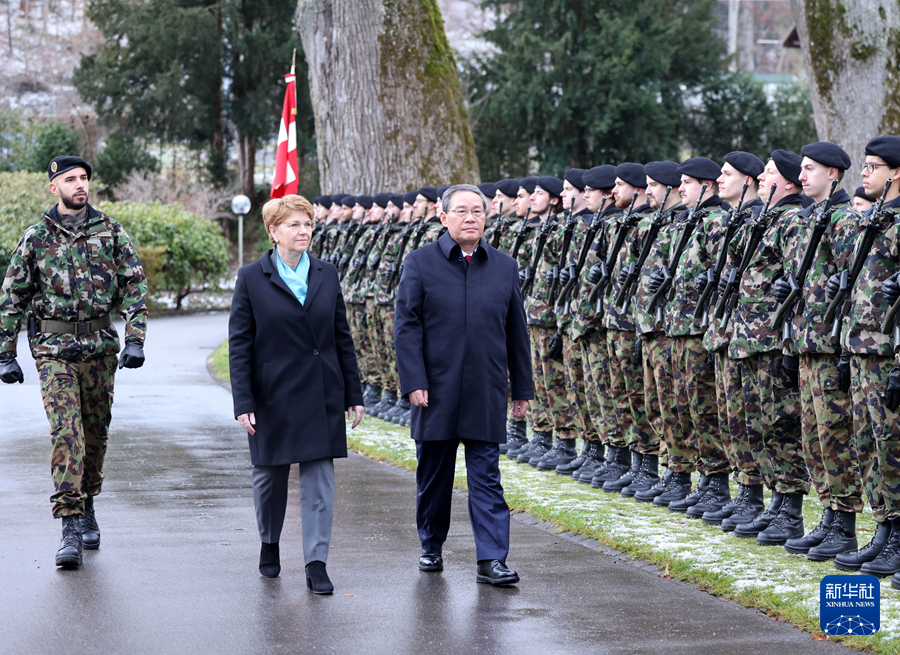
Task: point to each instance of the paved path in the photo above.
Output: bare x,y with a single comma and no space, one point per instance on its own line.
176,572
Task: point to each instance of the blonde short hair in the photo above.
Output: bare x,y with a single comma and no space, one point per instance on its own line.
277,210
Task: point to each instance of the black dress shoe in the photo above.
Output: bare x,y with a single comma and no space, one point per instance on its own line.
317,578
493,571
431,562
269,560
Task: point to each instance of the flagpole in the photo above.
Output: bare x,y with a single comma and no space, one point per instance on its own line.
293,62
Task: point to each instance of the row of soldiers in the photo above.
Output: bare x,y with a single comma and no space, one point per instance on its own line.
736,320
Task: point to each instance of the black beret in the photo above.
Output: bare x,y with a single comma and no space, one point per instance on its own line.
575,177
337,198
348,201
827,154
365,201
600,177
551,185
746,163
887,147
700,168
326,201
61,165
861,193
632,174
429,192
788,164
508,187
397,199
527,183
664,172
381,199
441,191
489,189
410,197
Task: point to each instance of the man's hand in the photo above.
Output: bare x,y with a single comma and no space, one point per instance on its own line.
519,407
782,289
247,421
891,396
565,275
523,275
891,289
419,397
355,413
723,282
9,369
833,286
656,281
595,274
623,275
133,354
548,276
844,372
555,347
702,281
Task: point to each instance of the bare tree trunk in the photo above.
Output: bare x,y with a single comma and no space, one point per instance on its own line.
247,165
850,51
386,95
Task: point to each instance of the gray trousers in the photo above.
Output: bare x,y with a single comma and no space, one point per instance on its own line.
270,492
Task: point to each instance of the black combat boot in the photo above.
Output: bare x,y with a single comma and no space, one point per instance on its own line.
595,460
616,486
70,551
787,524
515,436
692,498
841,538
90,531
371,397
751,506
561,454
853,560
647,476
761,522
888,561
647,495
568,468
716,517
540,443
617,462
801,545
544,447
388,400
391,415
678,487
401,409
717,495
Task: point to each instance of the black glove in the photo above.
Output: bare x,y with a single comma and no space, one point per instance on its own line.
702,281
595,274
656,281
639,349
523,275
133,354
791,364
833,286
844,372
723,282
344,261
891,396
375,263
400,270
891,289
623,275
782,289
548,276
565,275
555,348
9,369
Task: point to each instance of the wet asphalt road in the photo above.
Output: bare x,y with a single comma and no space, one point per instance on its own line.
176,571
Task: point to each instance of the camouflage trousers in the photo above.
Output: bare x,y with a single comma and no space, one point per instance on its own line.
745,448
828,448
391,378
876,434
627,390
602,408
573,366
694,379
377,348
539,408
553,374
356,318
772,405
659,399
78,398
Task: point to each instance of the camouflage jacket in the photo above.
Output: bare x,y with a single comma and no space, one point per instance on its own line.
810,333
659,257
504,228
565,322
583,313
861,329
538,310
353,289
382,275
66,276
327,240
526,230
386,234
756,305
614,319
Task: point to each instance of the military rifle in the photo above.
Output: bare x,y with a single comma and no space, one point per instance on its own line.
629,288
628,221
401,253
363,261
840,305
530,270
372,266
793,303
499,226
568,289
355,232
569,231
520,235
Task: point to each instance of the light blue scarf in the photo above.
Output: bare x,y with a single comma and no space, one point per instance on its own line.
295,278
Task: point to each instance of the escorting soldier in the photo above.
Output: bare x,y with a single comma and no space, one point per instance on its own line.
74,268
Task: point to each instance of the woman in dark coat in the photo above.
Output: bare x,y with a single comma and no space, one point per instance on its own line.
293,374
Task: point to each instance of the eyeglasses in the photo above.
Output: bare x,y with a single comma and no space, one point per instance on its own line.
870,166
462,213
296,226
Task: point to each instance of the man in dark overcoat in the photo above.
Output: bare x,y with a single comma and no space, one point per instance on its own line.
462,344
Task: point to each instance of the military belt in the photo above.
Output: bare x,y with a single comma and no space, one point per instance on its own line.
79,328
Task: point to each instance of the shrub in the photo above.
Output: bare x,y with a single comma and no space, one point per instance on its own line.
122,156
23,199
53,139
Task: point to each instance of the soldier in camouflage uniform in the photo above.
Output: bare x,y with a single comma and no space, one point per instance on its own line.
364,215
74,268
334,229
498,233
828,447
321,208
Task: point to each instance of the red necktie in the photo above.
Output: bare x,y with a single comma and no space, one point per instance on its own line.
468,259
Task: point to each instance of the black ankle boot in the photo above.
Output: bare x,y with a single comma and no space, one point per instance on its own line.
692,498
717,495
538,446
595,461
568,468
388,400
678,487
317,578
801,545
787,524
841,538
750,506
615,486
515,436
565,453
269,560
647,495
542,448
617,462
397,417
90,531
518,442
371,397
69,555
716,517
888,561
853,560
752,528
647,476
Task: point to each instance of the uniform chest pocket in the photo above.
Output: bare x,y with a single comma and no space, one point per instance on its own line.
100,255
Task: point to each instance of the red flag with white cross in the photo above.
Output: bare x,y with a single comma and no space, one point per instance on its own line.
285,180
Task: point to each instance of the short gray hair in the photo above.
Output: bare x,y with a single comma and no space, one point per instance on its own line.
448,194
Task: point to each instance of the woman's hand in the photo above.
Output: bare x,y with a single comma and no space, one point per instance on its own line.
419,397
519,407
247,422
359,411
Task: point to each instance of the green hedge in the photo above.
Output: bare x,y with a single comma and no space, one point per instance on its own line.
184,251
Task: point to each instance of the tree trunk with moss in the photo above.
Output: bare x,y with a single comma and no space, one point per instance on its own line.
388,103
851,52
